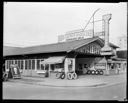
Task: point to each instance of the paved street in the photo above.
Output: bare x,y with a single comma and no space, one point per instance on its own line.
17,90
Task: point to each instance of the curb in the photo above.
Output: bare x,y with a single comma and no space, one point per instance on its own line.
95,85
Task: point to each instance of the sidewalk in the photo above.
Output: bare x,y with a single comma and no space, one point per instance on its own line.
82,81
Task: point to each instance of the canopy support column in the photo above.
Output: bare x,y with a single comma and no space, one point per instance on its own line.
107,68
49,69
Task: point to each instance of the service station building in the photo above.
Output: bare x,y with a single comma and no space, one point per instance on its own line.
77,55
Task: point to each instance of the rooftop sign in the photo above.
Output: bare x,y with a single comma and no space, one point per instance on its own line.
78,35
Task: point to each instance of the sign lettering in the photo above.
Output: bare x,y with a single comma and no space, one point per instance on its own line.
100,66
78,35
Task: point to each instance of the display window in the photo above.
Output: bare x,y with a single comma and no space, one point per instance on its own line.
26,64
52,67
38,64
7,64
42,67
15,61
21,64
29,64
33,64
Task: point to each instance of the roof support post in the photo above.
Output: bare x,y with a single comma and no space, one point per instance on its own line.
23,65
35,60
49,69
5,65
107,67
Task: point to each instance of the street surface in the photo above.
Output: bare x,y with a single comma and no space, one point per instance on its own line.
16,90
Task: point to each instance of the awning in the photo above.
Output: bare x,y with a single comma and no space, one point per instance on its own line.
53,60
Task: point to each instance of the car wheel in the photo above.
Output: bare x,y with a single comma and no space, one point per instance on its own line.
74,76
62,76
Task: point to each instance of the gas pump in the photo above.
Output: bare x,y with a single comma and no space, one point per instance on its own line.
71,70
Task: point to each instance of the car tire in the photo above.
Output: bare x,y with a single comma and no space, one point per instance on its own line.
74,76
58,75
69,76
98,72
89,72
62,76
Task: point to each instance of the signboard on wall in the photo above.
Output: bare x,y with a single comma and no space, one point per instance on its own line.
107,53
100,66
78,35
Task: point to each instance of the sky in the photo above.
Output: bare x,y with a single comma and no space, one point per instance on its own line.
33,23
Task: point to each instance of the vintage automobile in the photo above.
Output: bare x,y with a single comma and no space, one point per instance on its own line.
14,71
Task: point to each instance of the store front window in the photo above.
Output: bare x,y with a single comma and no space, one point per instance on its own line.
26,64
42,67
52,67
80,67
33,64
15,61
46,66
21,64
38,64
29,64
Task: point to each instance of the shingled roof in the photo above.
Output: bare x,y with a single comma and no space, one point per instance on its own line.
56,47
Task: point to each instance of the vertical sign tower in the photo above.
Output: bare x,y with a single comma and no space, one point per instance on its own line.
106,50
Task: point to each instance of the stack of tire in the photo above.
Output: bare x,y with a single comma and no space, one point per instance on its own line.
95,72
5,76
60,75
71,75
